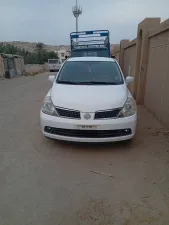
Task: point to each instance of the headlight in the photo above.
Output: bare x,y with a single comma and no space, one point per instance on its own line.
47,106
129,108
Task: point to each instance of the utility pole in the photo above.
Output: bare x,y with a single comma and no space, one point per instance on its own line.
77,11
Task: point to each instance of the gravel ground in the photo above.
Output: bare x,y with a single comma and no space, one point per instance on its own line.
47,182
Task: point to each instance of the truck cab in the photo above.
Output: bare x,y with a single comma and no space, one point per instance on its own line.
90,43
54,65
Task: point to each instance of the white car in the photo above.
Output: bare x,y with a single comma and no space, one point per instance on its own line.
89,102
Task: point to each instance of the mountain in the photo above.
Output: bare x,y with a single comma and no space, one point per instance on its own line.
31,46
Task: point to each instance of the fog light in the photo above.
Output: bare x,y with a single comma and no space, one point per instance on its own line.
47,129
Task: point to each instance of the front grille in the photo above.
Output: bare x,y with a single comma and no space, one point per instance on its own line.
107,114
67,113
88,133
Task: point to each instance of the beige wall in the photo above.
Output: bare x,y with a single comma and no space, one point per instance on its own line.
46,67
147,59
19,65
117,56
157,82
129,62
1,67
34,68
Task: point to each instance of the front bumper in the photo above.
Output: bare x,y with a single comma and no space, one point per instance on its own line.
108,130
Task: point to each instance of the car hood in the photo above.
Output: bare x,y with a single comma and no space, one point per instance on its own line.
89,98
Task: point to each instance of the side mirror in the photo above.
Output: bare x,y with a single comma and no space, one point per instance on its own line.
129,79
51,78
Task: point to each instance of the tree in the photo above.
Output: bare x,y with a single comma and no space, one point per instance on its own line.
53,55
39,48
37,57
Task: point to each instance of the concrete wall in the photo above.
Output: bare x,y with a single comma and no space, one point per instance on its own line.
34,68
46,67
130,61
157,82
2,72
117,55
19,65
15,66
147,59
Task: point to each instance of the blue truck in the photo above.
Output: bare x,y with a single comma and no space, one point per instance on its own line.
90,43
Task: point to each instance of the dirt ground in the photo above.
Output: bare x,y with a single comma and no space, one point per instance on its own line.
47,182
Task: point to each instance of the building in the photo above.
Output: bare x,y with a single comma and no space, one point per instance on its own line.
11,65
61,54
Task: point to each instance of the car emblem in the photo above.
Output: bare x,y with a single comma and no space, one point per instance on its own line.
87,116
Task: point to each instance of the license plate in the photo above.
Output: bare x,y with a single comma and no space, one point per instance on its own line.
87,127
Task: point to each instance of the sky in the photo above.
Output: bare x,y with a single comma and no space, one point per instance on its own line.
52,21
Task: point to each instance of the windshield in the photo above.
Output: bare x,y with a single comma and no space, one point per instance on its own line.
53,61
91,52
90,72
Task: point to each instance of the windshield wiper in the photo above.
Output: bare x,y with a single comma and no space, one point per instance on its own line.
99,83
66,82
88,83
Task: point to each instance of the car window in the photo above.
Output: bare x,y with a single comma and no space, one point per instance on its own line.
90,71
53,61
92,52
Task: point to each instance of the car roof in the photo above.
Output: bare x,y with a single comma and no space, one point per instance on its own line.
92,59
